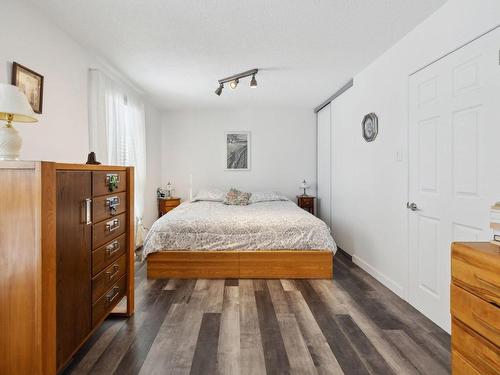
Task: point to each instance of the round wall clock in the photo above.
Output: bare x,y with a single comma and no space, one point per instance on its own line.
370,127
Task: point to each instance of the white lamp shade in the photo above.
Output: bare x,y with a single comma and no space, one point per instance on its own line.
14,102
303,185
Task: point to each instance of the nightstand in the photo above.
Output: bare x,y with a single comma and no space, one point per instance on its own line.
306,202
165,205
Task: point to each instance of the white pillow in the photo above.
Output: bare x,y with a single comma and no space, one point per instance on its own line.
266,196
211,195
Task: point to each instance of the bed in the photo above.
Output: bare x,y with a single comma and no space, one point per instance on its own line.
269,239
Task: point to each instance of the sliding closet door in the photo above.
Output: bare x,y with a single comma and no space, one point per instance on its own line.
324,164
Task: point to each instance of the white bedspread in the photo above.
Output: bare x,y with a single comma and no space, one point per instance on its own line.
279,225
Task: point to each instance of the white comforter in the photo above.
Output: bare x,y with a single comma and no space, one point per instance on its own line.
277,225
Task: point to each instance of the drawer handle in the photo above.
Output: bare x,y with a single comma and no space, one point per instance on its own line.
112,225
111,275
485,324
485,361
113,294
112,248
112,180
486,283
113,203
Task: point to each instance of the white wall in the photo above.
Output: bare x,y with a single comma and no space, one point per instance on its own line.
370,187
153,178
282,150
30,39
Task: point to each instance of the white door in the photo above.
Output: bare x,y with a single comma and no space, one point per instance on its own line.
454,159
324,164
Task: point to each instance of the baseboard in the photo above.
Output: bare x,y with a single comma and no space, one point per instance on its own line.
344,253
379,276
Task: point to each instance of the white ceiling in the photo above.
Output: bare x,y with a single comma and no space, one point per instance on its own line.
176,50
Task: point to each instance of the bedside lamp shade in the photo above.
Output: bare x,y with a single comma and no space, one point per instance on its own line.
13,102
14,107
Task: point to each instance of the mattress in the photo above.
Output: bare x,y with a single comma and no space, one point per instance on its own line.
212,226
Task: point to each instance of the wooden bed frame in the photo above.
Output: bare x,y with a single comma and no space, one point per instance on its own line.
260,264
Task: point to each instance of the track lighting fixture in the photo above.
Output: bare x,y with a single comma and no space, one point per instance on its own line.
235,79
234,84
219,89
253,82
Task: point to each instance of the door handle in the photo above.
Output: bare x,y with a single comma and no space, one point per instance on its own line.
88,212
412,206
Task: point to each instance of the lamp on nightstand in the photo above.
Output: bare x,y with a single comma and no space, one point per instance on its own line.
303,185
14,107
169,189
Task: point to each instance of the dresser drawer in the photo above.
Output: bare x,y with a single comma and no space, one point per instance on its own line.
108,301
174,202
108,206
103,280
108,253
478,271
482,354
460,366
108,230
481,316
102,182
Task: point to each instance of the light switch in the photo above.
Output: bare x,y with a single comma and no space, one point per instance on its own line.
399,155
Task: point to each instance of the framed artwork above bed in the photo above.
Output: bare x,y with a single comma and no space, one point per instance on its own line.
237,145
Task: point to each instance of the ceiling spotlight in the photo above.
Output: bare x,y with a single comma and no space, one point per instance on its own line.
235,79
219,89
233,84
253,82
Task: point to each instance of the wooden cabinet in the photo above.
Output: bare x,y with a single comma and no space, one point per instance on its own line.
73,252
166,205
67,254
306,202
475,296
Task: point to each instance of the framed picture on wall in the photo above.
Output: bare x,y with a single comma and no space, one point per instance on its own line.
30,83
370,127
237,150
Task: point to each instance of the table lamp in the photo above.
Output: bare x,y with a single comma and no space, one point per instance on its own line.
169,189
14,107
303,185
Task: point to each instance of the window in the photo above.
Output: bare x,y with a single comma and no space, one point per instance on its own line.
117,133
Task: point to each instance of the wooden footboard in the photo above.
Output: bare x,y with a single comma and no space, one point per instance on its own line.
282,264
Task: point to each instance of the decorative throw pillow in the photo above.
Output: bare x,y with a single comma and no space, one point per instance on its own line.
237,198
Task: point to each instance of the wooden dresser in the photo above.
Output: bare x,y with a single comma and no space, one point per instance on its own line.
475,301
66,259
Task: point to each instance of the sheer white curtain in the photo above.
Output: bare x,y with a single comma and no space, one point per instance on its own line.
118,135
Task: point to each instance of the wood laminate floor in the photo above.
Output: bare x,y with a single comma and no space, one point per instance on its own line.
351,324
